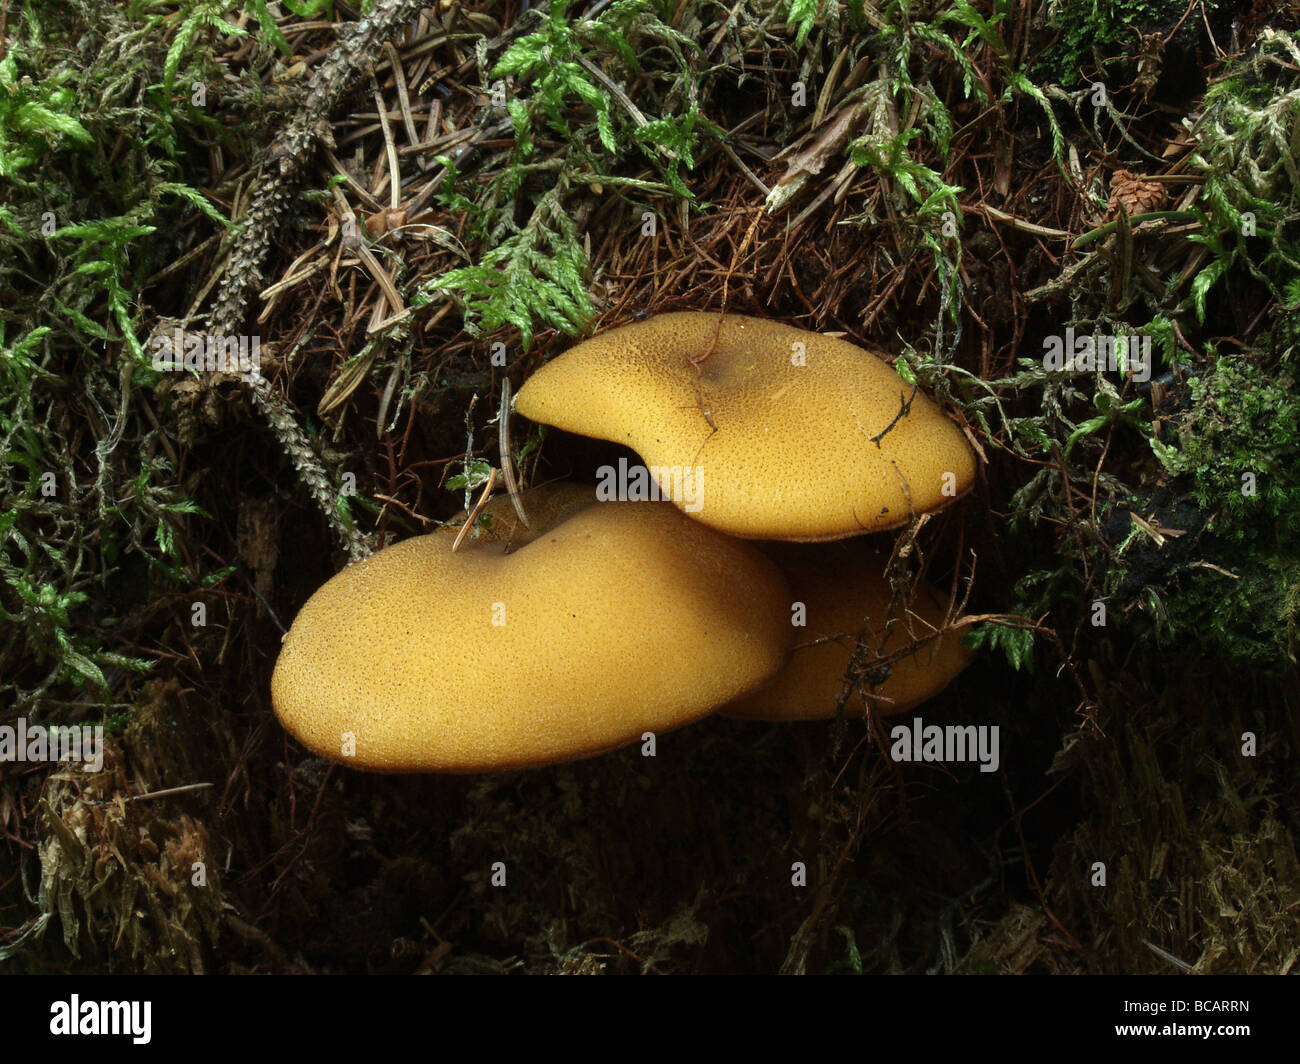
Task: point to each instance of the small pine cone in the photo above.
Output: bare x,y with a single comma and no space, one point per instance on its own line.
1134,195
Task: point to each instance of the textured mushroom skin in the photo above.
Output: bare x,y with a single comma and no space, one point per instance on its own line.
793,456
842,586
621,619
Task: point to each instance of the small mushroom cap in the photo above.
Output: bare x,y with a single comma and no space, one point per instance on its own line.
841,585
798,415
602,622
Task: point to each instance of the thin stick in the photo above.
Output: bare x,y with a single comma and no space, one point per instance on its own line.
478,509
507,459
170,790
395,173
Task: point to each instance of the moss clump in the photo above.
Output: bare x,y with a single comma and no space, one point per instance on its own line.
1092,30
1237,445
1241,444
1250,619
131,878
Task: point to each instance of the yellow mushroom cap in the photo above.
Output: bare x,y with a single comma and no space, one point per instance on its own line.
796,413
602,622
841,586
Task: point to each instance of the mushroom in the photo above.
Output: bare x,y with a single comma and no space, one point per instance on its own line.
784,434
575,636
843,588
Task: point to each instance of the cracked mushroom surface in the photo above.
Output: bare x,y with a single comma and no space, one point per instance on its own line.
788,434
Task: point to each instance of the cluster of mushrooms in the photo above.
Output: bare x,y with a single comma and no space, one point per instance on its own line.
598,622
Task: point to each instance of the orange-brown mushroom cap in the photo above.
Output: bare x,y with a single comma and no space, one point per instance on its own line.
790,434
601,622
844,590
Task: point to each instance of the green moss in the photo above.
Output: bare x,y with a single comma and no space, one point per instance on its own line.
1093,29
1241,445
553,82
1250,619
1237,590
82,232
